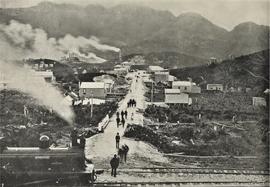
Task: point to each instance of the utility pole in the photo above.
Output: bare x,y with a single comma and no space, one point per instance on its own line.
3,100
92,102
152,93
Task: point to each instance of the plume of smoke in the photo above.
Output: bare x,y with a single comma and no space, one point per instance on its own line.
70,42
19,41
26,81
28,42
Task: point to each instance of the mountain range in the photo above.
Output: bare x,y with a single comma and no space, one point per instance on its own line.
137,29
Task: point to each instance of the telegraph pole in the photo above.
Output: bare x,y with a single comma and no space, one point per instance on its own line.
3,100
92,102
152,93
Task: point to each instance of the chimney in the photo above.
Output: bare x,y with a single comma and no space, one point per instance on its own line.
120,56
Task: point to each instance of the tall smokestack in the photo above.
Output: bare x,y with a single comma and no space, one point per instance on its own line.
120,56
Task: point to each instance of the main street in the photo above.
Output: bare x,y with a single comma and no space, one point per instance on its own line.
101,147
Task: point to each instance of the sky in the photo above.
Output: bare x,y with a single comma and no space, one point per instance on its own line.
225,13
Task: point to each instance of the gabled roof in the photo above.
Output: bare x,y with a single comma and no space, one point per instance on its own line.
44,73
183,83
172,91
92,85
214,85
162,73
155,68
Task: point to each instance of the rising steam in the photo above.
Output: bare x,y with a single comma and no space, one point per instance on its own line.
19,41
24,80
28,42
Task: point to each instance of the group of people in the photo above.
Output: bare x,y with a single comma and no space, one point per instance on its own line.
123,117
122,153
131,103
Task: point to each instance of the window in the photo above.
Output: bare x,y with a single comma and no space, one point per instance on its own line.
84,91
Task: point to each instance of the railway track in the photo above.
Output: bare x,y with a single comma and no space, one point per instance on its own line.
173,177
186,170
184,183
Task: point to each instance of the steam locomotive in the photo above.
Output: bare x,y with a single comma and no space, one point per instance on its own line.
34,166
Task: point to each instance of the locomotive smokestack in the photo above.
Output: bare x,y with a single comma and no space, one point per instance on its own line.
44,142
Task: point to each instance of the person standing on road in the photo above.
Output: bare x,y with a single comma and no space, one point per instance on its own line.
121,154
123,122
132,102
117,140
126,114
122,114
125,152
117,122
114,164
117,114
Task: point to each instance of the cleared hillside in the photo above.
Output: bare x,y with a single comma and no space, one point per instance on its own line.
249,71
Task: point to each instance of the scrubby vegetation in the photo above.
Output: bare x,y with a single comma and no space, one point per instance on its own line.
250,71
82,113
217,123
203,139
21,130
211,106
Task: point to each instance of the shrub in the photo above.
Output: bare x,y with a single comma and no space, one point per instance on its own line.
185,133
209,134
185,118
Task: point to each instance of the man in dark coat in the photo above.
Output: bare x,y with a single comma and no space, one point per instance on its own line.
117,121
121,153
117,140
126,114
125,149
114,164
123,122
122,114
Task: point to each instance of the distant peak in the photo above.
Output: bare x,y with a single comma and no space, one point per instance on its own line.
192,17
191,14
248,25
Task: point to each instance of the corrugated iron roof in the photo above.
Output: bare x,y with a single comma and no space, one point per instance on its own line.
182,83
172,91
92,85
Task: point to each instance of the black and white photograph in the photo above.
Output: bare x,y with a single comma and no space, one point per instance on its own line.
134,93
